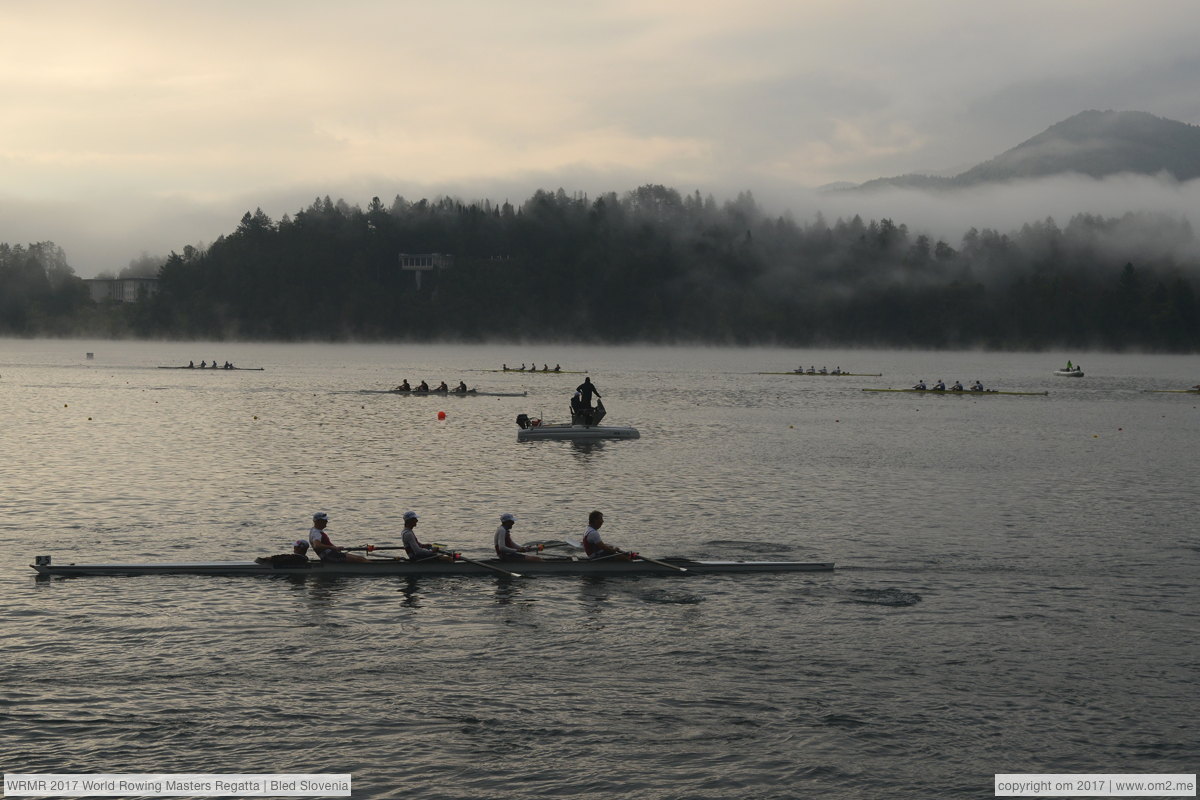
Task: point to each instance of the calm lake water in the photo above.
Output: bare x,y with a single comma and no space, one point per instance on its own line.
1016,589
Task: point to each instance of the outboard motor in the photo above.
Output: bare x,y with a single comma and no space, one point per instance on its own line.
523,421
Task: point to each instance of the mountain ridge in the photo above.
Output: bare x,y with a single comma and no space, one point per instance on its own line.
1092,143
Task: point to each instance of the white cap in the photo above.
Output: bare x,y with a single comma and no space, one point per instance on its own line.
300,543
410,515
320,515
507,518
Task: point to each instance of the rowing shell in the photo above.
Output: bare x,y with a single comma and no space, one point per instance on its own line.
963,393
827,374
539,371
1171,391
468,393
608,567
219,369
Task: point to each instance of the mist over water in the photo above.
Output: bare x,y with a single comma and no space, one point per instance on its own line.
1014,592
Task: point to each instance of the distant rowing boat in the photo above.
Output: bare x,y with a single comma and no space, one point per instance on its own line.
219,369
1069,373
451,393
540,371
1171,391
963,393
827,374
483,568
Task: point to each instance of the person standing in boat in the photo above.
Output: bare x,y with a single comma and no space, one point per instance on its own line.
506,548
325,549
593,545
586,390
413,546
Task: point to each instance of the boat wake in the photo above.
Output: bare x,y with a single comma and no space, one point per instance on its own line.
895,598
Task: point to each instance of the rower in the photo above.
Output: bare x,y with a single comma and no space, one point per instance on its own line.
413,546
506,548
203,364
977,386
442,387
403,387
940,386
557,368
594,546
461,388
323,547
191,365
957,387
920,385
424,387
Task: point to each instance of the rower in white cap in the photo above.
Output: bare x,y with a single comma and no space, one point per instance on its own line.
413,546
323,547
506,548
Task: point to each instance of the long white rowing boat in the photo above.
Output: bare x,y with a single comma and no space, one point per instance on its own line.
959,392
451,393
389,567
827,374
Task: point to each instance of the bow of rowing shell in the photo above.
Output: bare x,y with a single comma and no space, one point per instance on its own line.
611,567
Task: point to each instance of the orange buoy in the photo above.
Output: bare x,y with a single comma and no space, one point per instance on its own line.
441,415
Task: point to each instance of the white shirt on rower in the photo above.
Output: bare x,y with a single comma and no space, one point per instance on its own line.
501,542
416,550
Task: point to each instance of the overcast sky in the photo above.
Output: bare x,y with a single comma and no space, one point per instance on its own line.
147,126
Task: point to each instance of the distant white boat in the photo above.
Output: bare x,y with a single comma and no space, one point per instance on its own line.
1069,373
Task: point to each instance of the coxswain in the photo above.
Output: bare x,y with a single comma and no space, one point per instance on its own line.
957,387
940,386
594,546
323,547
920,385
412,545
506,548
297,558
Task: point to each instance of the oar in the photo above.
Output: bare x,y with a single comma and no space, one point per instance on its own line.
458,557
660,563
488,566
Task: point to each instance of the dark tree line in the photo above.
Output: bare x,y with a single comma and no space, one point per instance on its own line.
654,265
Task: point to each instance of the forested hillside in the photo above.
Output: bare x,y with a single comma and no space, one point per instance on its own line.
654,265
